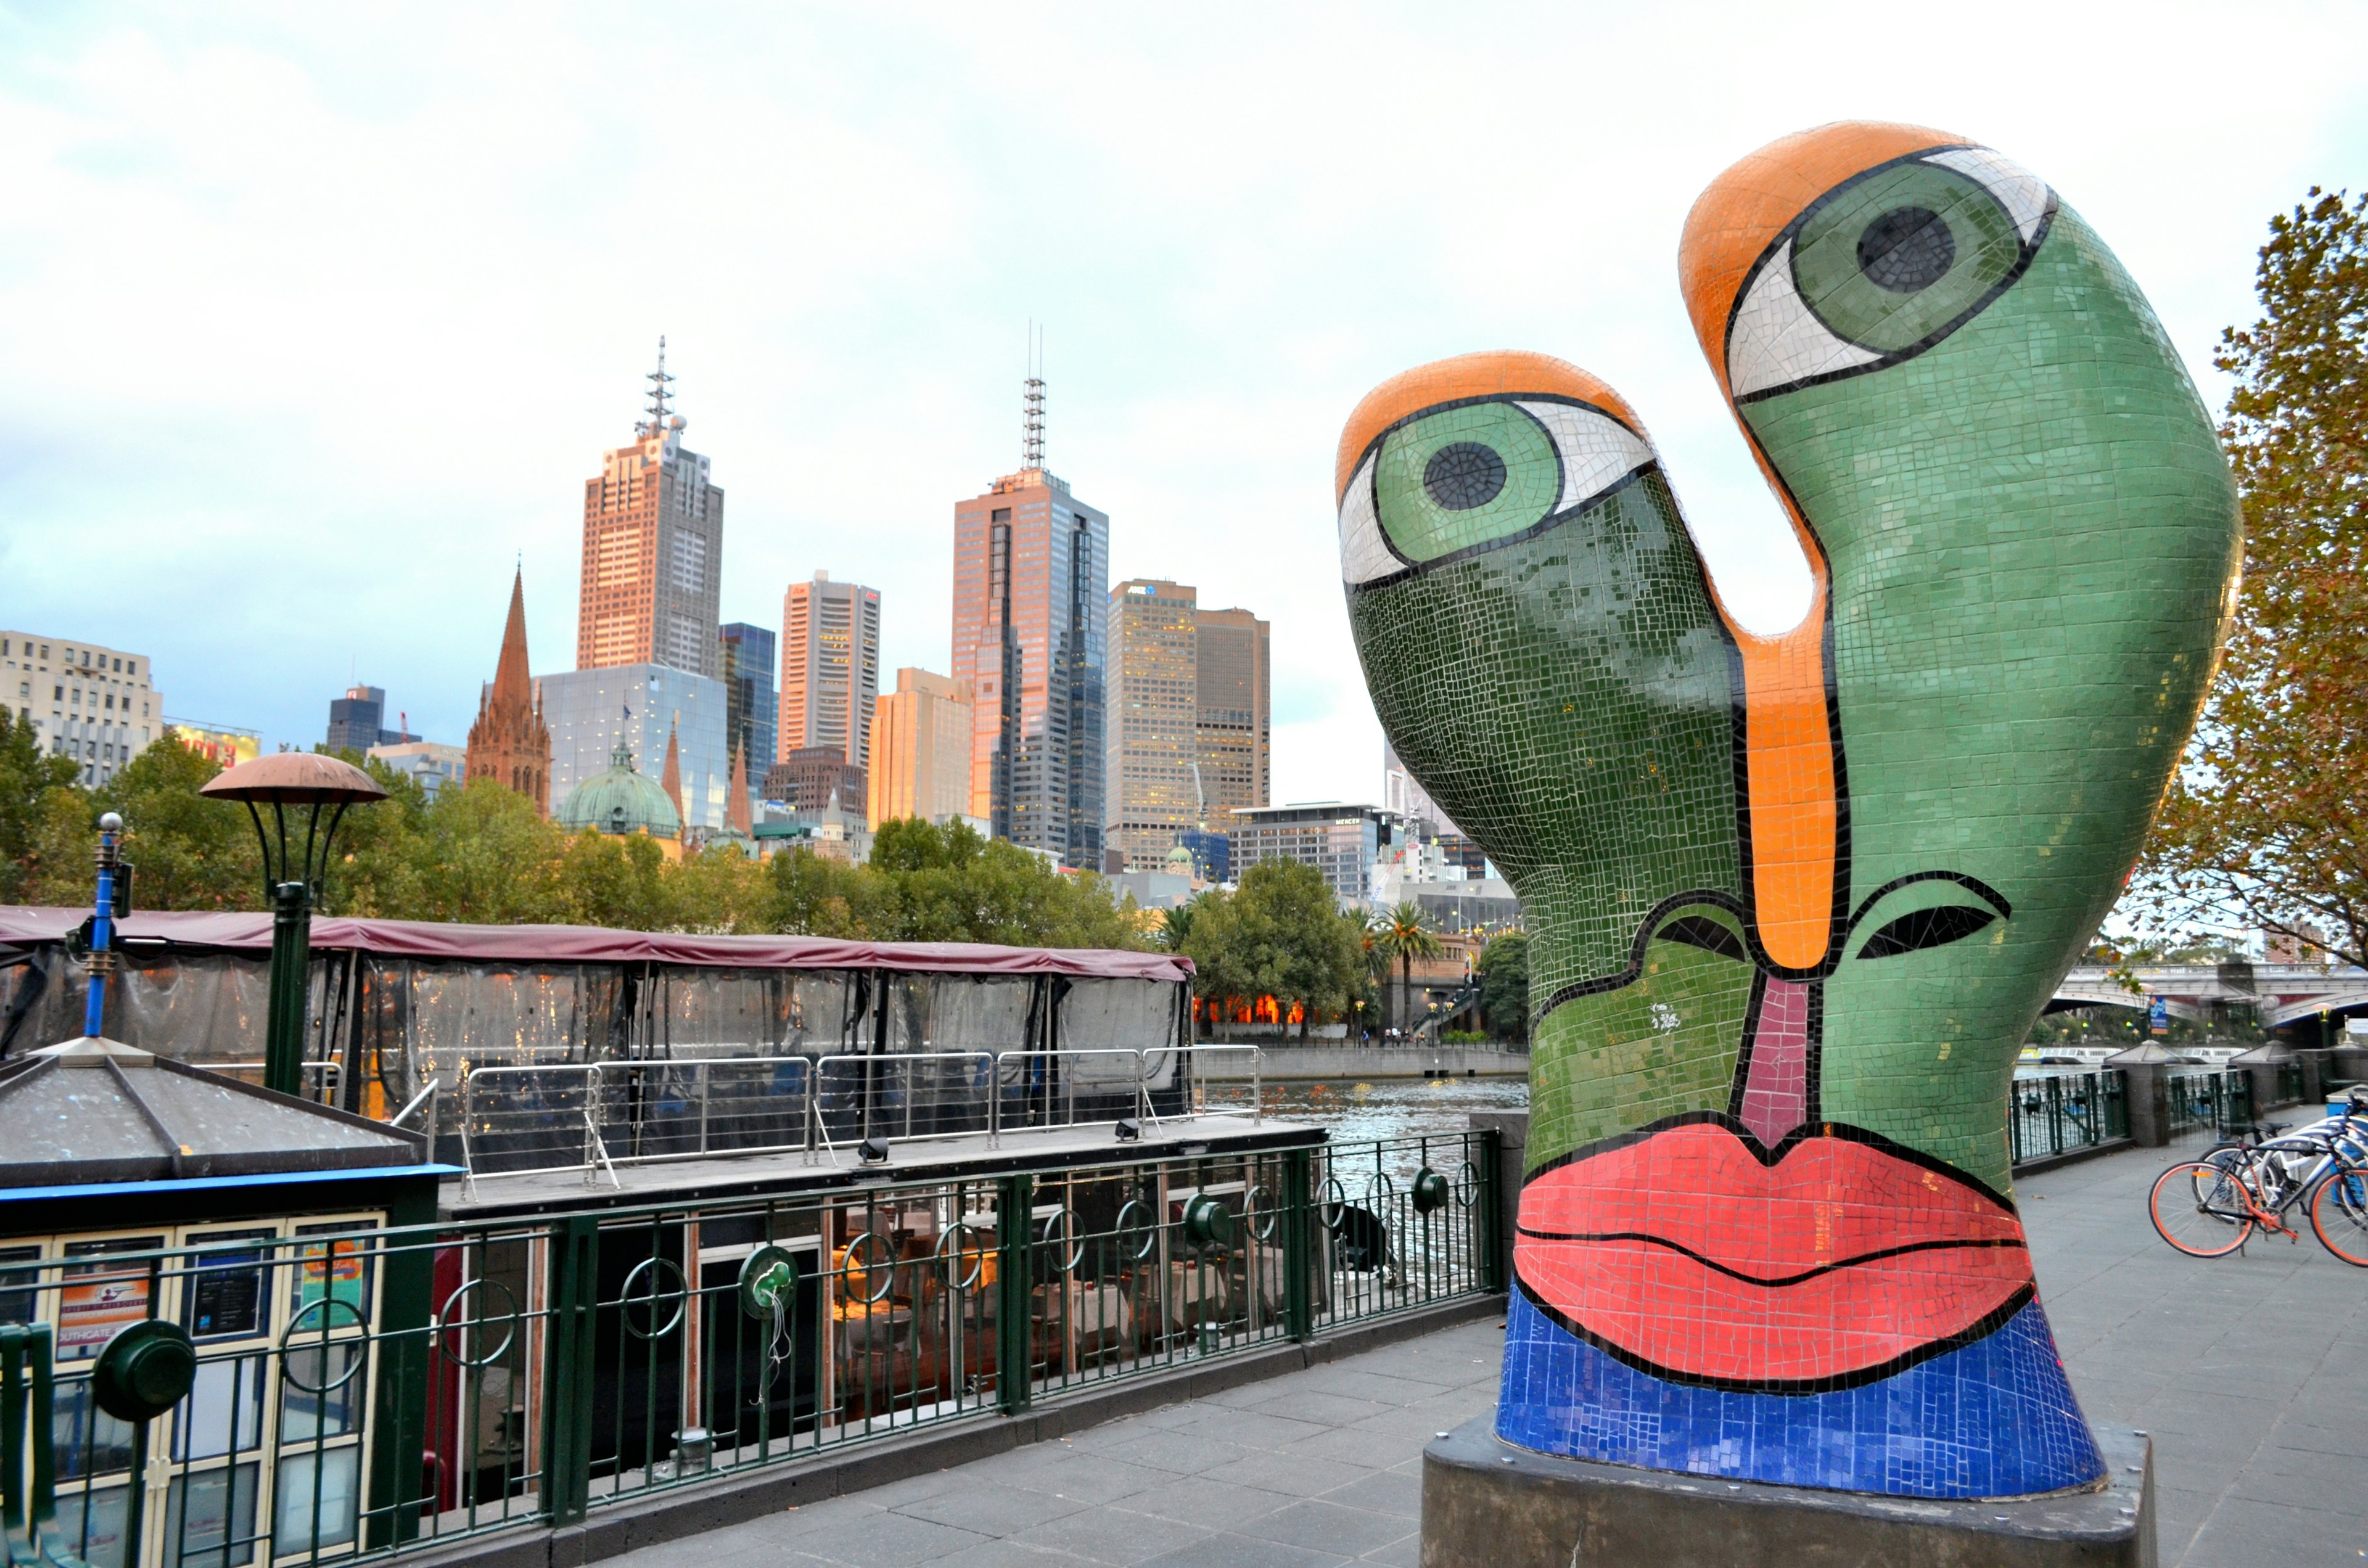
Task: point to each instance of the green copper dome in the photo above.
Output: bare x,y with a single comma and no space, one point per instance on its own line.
620,800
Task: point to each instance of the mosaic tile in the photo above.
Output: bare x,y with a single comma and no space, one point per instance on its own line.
1795,899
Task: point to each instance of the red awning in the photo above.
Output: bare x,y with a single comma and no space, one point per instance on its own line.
21,925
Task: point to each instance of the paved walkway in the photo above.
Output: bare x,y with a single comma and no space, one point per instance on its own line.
2252,1374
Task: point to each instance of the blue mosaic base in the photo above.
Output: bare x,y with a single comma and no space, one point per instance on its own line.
1994,1419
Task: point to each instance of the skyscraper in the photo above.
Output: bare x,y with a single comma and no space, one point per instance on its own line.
358,720
830,669
653,547
751,702
1403,794
1152,708
920,749
1233,687
1030,605
509,744
1189,718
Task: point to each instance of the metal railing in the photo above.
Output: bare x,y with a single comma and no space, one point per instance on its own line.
2062,1112
2208,1104
592,1116
363,1392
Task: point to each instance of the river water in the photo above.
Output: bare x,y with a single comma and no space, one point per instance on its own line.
1394,1107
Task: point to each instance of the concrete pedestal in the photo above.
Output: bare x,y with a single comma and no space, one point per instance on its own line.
1489,1504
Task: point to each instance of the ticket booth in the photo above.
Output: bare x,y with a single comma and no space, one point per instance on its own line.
271,1230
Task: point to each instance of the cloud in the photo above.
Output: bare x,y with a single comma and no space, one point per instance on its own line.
315,321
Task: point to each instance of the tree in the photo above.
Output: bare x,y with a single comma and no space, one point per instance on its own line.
1405,936
1504,970
1279,935
28,780
2266,826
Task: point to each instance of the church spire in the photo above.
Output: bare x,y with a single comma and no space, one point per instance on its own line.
509,744
673,779
737,810
511,681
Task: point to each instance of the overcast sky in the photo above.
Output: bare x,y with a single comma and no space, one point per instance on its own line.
317,318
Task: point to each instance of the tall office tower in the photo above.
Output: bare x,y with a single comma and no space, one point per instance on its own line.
1032,589
1188,715
653,550
830,669
509,744
358,720
752,704
84,701
921,750
1234,692
1152,708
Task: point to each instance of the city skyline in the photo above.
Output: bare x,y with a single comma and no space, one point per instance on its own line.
413,411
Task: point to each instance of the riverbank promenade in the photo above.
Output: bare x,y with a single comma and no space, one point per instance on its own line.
2250,1372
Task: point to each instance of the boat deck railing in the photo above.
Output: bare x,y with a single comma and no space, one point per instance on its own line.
594,1116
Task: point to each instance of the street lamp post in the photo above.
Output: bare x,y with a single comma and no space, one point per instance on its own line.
293,873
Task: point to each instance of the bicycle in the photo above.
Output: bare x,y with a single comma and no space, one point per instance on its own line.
2215,1203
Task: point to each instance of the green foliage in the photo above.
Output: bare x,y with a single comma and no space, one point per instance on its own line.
2266,826
28,785
1402,934
481,854
1281,935
1504,971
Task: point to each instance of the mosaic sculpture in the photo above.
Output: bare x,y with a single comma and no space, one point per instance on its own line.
1794,899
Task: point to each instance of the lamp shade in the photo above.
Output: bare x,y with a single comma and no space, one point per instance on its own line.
294,779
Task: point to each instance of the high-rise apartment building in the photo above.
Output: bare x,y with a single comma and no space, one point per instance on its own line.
830,669
920,749
653,550
1189,720
84,701
510,744
1031,606
751,702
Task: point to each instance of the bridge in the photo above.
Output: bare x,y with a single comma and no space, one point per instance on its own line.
2283,993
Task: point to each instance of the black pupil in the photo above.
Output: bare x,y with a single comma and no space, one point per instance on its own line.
1906,249
1464,474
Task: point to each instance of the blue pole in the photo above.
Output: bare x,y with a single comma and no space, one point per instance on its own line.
102,928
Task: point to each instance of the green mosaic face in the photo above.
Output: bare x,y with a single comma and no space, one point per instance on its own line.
1795,899
1905,818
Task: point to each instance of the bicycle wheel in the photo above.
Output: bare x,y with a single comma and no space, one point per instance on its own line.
2200,1209
2338,1212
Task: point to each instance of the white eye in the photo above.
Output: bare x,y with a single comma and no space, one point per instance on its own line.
1882,267
1475,476
1363,554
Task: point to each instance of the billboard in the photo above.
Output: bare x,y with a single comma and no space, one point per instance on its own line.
226,747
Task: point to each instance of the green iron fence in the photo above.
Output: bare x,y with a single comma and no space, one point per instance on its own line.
2060,1113
364,1392
2210,1104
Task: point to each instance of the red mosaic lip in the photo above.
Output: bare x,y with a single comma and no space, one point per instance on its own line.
1687,1257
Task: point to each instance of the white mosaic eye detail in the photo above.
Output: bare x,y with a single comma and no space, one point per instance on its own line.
1882,267
1467,477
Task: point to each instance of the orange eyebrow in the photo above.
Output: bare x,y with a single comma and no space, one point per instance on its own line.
1745,209
1792,801
1493,374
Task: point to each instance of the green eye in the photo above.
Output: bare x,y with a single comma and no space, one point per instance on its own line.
1464,477
1901,255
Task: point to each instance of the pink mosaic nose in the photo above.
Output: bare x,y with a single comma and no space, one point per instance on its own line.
1776,1080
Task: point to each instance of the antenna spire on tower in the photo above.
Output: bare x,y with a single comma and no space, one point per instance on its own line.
656,425
1031,417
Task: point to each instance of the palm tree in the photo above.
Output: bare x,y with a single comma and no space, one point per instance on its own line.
1405,936
1373,941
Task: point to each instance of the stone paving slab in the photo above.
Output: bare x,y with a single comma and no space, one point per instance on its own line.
2251,1373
